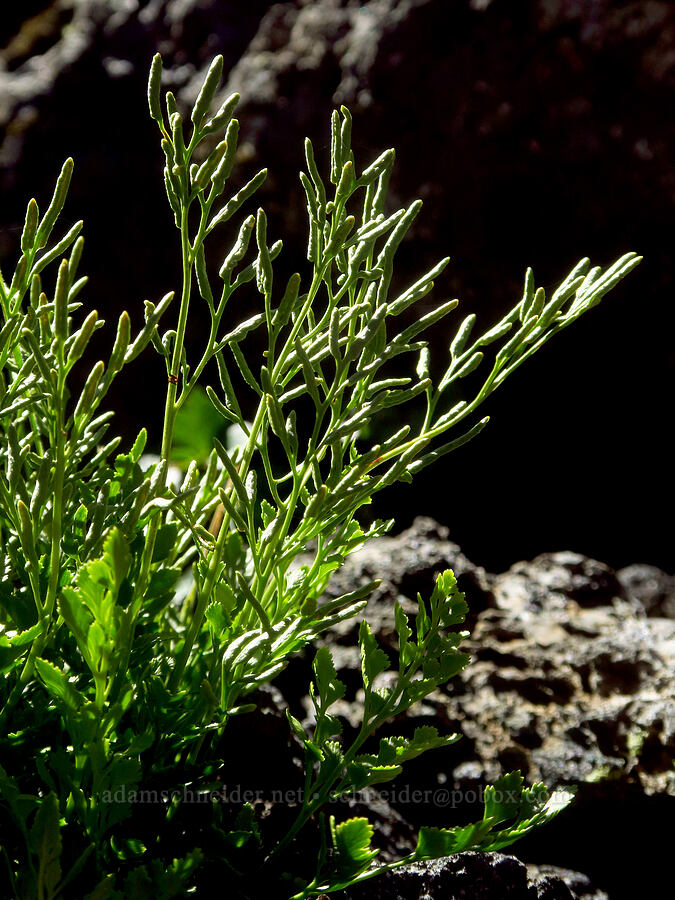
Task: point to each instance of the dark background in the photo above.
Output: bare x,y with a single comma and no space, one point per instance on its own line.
536,133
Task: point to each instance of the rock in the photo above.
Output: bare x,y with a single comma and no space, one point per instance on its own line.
585,684
547,882
569,678
342,38
652,587
570,682
589,582
479,876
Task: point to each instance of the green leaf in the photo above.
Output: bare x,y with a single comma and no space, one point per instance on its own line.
96,646
426,737
233,473
234,203
538,806
197,423
183,869
123,771
251,598
12,649
138,884
56,205
419,689
332,751
165,541
363,773
230,602
126,848
219,621
451,601
421,620
535,799
161,588
21,805
448,447
296,727
329,686
433,843
57,684
141,742
288,302
502,800
74,540
207,92
451,664
220,407
45,840
267,512
374,661
75,614
154,88
406,648
263,263
103,890
351,842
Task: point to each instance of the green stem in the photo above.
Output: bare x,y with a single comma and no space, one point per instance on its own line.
368,728
314,888
57,510
328,779
46,610
216,556
205,592
174,371
170,410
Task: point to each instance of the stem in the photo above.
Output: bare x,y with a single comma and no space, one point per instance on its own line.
368,728
314,887
57,511
45,611
170,411
206,590
247,456
329,780
7,311
174,372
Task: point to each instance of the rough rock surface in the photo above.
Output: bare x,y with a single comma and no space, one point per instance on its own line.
582,680
543,137
568,674
652,587
570,682
479,876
